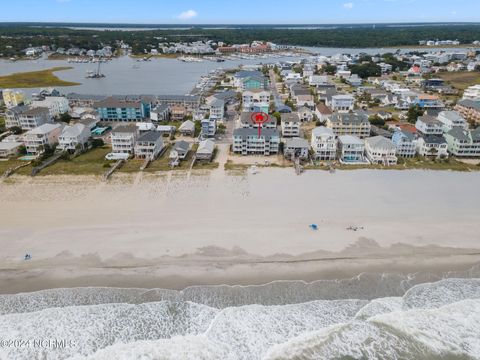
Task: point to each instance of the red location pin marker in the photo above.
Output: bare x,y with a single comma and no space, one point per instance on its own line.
259,118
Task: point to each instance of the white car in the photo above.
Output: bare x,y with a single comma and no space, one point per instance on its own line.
117,156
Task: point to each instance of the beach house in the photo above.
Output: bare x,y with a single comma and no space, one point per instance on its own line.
74,137
28,118
209,127
148,145
38,139
429,125
12,116
290,124
432,146
187,128
10,148
247,141
123,139
297,148
355,123
463,143
381,150
405,143
351,149
323,143
323,112
341,103
55,104
451,119
217,109
205,150
256,100
179,150
160,113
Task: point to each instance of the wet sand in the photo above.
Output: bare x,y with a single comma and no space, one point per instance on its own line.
175,230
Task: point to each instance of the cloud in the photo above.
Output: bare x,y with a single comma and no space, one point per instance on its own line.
186,15
348,5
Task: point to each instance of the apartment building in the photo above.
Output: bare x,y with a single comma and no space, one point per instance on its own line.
246,141
355,123
114,109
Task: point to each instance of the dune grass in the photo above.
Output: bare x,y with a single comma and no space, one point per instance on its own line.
460,80
34,79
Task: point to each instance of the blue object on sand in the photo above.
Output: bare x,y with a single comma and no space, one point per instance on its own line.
314,227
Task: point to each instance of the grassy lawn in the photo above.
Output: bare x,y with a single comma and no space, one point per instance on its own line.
162,163
230,165
34,79
408,164
90,163
5,165
461,80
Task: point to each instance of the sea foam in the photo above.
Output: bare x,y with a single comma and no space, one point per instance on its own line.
438,320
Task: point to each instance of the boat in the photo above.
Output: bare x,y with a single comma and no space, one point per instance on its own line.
95,74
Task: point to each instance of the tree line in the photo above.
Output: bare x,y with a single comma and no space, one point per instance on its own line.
16,37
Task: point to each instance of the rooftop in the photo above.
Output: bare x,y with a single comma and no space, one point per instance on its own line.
266,133
149,136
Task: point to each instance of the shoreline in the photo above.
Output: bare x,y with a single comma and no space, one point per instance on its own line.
66,271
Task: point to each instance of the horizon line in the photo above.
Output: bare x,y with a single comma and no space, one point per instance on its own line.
183,24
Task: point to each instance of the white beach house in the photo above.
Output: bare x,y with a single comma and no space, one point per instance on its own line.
123,139
290,124
55,104
381,150
351,150
73,137
432,146
149,145
36,140
452,119
323,143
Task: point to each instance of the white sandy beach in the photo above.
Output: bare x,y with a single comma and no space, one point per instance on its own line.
178,230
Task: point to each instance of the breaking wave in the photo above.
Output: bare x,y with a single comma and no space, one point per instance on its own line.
435,320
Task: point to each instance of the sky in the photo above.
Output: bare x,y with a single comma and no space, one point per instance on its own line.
240,11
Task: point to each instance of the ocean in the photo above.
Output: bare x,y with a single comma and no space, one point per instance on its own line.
372,316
